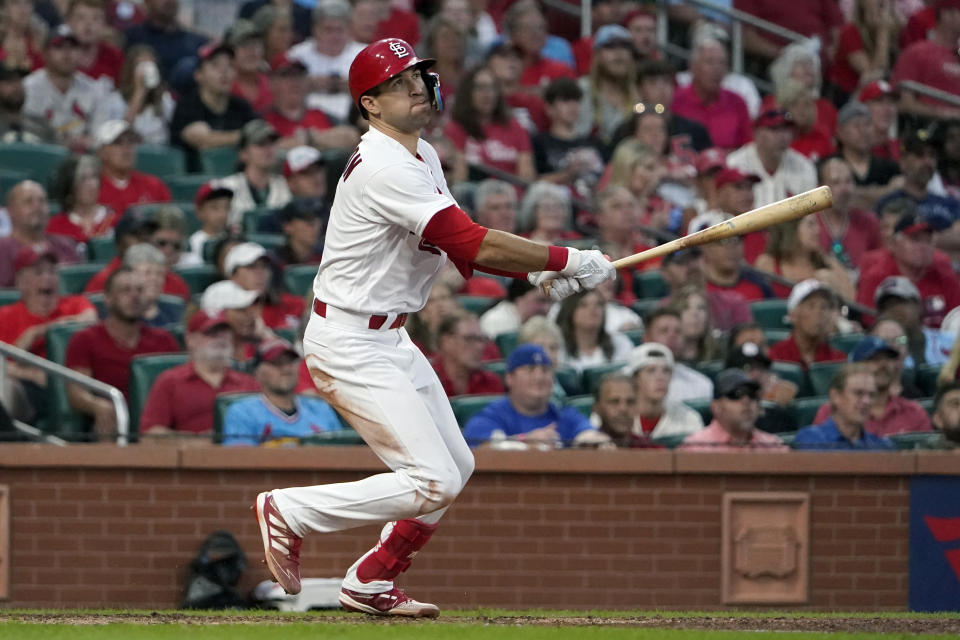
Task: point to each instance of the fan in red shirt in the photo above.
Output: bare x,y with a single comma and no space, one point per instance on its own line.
866,47
733,196
526,28
919,25
933,62
77,188
812,309
723,262
882,101
251,82
505,62
460,344
248,265
811,137
846,233
95,57
104,351
120,185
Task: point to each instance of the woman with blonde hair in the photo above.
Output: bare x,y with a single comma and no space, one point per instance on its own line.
610,91
867,47
641,169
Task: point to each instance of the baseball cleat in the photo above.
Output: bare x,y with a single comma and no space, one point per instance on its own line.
389,603
281,546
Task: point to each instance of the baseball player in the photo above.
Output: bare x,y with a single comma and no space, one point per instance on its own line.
392,227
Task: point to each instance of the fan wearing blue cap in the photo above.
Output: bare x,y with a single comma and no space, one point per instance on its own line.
891,412
526,417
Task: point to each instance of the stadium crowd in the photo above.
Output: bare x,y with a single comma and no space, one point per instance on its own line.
167,192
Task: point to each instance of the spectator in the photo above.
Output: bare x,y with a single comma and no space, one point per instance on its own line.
546,214
460,345
794,251
304,169
295,122
615,405
948,166
77,187
747,332
134,227
122,186
752,359
276,24
72,102
618,316
913,256
734,191
300,14
105,350
875,177
447,43
212,204
150,266
16,126
560,154
721,111
696,333
542,332
24,325
162,32
208,116
257,185
251,83
656,86
812,310
662,326
735,409
651,367
946,416
684,268
483,131
424,324
811,138
526,415
642,25
819,19
918,161
302,222
526,28
181,400
918,22
889,330
505,62
141,98
95,56
249,267
276,417
327,56
586,342
478,27
723,263
495,205
610,90
243,311
21,32
523,302
898,298
783,172
932,61
601,14
852,394
29,215
881,100
170,234
867,46
846,233
891,413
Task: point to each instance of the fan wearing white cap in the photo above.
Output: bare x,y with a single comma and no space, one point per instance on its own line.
651,367
257,185
122,186
250,267
812,310
243,312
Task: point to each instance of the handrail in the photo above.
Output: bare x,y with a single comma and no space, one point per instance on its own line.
930,92
91,384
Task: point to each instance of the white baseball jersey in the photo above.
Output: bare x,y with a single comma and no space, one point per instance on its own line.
795,174
374,258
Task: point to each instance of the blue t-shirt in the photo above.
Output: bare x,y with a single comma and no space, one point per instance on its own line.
947,209
254,421
500,415
827,437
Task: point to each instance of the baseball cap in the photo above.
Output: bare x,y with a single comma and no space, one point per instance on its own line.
300,159
850,111
635,13
501,46
704,220
242,255
731,175
917,142
110,131
911,223
257,132
646,354
729,380
204,322
876,90
134,221
241,31
272,349
870,346
710,160
211,191
682,256
212,50
8,72
301,209
226,294
28,256
282,63
612,34
60,36
804,289
896,287
747,354
773,118
528,354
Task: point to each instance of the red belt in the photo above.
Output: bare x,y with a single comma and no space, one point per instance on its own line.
375,322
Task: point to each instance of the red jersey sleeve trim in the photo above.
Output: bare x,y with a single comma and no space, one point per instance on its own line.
452,230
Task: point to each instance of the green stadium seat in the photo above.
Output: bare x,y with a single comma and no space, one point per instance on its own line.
926,378
592,376
804,409
345,437
268,240
465,406
635,335
846,342
61,419
223,402
9,178
187,207
9,296
179,332
701,406
770,314
101,248
774,336
794,373
915,440
926,403
252,218
670,442
643,307
184,188
571,380
99,302
74,277
821,374
583,404
710,368
198,277
160,160
498,367
220,161
649,285
476,304
787,437
39,161
298,278
143,372
506,342
287,333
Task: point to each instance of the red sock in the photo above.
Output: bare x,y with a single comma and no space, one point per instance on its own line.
393,555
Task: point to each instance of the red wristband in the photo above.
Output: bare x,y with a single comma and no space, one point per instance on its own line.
556,258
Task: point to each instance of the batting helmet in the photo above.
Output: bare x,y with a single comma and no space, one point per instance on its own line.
380,61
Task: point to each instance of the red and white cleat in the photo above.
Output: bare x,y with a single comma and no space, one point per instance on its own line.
389,603
281,546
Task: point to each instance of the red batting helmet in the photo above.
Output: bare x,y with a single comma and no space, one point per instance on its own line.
380,61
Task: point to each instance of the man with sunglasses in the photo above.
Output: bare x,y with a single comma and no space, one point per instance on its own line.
735,409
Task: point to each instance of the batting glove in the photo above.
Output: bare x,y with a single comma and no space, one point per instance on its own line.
589,267
554,285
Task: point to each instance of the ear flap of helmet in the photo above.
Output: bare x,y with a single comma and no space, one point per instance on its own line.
432,81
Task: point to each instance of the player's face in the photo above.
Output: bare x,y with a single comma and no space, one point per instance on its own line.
616,405
853,404
403,102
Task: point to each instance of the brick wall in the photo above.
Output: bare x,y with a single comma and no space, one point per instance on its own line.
96,526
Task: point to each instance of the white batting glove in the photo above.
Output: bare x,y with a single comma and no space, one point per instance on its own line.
589,267
554,285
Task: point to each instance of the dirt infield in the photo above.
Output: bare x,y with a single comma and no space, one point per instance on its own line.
707,622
